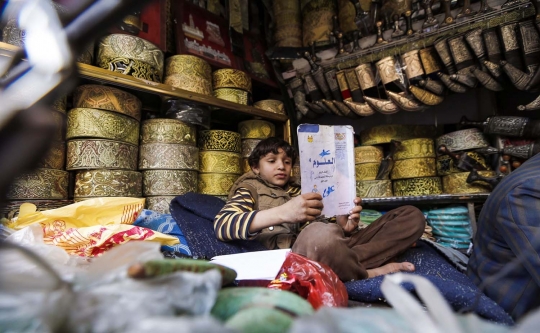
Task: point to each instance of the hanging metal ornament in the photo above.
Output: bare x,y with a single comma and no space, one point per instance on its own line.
519,79
383,106
494,69
425,96
487,80
467,80
315,108
534,105
448,18
429,20
435,87
451,84
332,107
361,109
344,109
406,103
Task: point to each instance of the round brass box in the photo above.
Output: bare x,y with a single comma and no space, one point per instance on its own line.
367,154
374,188
168,156
456,183
414,168
256,129
220,140
107,183
367,171
107,98
466,139
100,154
231,78
168,131
417,186
415,148
42,183
219,162
169,182
216,183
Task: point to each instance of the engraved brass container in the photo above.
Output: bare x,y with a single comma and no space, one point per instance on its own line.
166,156
94,123
168,131
188,65
107,183
456,183
374,188
317,21
231,78
445,164
366,78
219,162
159,204
233,95
271,105
368,154
366,171
387,70
216,183
412,64
430,60
40,184
169,182
415,148
131,67
386,133
426,97
55,158
131,47
100,154
248,145
466,139
414,168
190,83
256,129
107,98
220,140
417,186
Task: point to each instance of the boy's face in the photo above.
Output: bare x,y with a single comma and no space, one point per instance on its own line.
275,168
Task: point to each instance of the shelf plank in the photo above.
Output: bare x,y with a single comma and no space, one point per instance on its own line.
426,199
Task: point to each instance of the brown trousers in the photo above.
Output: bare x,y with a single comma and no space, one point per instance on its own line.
351,256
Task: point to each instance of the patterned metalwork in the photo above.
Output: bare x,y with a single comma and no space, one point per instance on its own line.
231,78
220,140
451,84
374,188
530,43
456,183
318,76
10,209
414,168
417,186
188,65
360,109
159,204
248,145
344,109
444,53
511,126
168,156
405,102
459,51
332,107
366,171
368,154
233,95
219,162
100,154
107,98
132,67
216,183
352,80
40,184
271,105
107,183
436,87
426,97
493,45
415,148
475,41
365,75
383,106
168,131
256,129
385,133
445,164
509,37
343,85
387,70
130,47
463,77
94,123
317,21
55,158
412,64
169,182
487,80
190,83
428,56
465,139
519,79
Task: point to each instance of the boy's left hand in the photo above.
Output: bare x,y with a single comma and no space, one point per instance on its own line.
350,222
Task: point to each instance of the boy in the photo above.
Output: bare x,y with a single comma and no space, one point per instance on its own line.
265,205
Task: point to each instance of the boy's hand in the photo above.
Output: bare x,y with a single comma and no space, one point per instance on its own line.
303,208
349,223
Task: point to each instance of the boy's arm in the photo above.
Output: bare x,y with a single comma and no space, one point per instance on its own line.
234,219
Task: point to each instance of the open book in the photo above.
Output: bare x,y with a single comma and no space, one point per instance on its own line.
258,265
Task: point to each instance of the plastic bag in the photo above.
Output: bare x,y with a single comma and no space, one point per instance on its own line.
313,281
91,227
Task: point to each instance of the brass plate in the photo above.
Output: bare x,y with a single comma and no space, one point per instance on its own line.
94,123
216,183
368,154
100,154
219,162
168,131
55,158
414,168
415,148
168,156
107,183
256,129
220,140
374,188
40,184
107,98
169,182
367,171
456,183
417,186
231,78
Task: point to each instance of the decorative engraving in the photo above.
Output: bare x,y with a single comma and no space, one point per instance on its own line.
425,96
168,131
415,148
271,105
342,81
459,50
331,79
444,53
366,171
219,162
445,164
231,78
414,168
108,183
169,182
256,129
429,60
493,46
406,102
190,83
456,183
360,109
220,140
216,183
509,37
365,76
435,87
512,126
413,66
107,98
188,65
60,104
233,95
132,67
387,70
159,204
417,186
466,139
383,106
374,188
100,154
40,184
352,80
168,156
317,21
474,39
529,37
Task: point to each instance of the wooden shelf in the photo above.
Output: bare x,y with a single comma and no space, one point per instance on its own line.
104,76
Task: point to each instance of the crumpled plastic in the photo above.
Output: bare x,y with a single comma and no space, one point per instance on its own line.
311,280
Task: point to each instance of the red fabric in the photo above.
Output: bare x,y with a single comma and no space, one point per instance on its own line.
311,280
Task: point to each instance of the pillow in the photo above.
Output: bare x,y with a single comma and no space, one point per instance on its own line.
195,215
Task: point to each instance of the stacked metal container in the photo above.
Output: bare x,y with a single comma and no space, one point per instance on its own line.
367,161
189,73
169,160
232,85
103,139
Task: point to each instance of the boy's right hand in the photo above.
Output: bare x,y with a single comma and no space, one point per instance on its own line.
303,208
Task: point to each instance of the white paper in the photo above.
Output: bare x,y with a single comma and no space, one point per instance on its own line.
327,165
258,265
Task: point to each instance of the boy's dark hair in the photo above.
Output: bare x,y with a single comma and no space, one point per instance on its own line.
271,145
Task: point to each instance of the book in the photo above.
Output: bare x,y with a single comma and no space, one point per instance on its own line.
258,265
